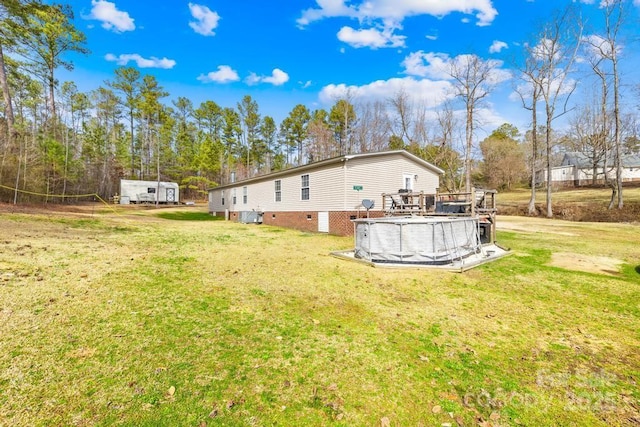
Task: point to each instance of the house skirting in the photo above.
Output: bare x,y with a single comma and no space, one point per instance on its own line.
339,221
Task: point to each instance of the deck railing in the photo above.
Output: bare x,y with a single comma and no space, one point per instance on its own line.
475,202
407,203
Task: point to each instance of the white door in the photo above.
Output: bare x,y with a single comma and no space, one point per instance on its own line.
171,195
323,222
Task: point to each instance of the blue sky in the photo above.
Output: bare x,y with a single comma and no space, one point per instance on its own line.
288,52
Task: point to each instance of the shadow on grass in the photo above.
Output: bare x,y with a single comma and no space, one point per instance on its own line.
631,272
189,216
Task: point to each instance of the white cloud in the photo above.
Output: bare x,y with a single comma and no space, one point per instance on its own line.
430,94
112,19
397,10
328,9
433,65
277,78
252,79
605,3
489,119
497,46
206,19
152,62
431,37
225,74
440,66
425,92
371,37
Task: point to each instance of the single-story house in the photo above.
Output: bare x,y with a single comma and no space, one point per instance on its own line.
138,191
578,169
324,196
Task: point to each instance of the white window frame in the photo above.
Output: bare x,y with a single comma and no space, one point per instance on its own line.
408,178
306,187
245,195
277,188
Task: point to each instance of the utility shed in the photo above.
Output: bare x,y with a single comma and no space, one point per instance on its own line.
327,195
137,191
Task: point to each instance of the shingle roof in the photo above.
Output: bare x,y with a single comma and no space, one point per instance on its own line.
583,161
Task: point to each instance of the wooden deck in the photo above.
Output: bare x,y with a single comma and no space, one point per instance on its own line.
476,203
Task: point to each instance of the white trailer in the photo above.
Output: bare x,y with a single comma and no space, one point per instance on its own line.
135,191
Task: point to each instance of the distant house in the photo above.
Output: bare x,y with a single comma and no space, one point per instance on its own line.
578,169
137,191
324,196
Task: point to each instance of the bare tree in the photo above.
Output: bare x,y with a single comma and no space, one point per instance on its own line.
473,81
553,57
342,118
589,137
446,155
422,126
373,127
321,141
529,93
596,61
605,48
402,107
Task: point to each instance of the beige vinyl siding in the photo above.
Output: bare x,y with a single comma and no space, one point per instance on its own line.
384,175
331,185
325,189
325,192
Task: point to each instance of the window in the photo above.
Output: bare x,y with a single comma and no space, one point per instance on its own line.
244,195
304,195
278,190
222,194
234,196
151,190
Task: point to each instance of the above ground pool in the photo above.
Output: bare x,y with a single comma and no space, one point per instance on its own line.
417,240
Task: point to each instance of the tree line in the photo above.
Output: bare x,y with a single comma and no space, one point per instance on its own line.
59,141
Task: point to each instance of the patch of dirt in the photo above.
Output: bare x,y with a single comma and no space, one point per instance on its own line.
533,225
586,263
578,211
32,208
89,208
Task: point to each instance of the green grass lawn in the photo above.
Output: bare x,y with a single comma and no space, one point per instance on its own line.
145,321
